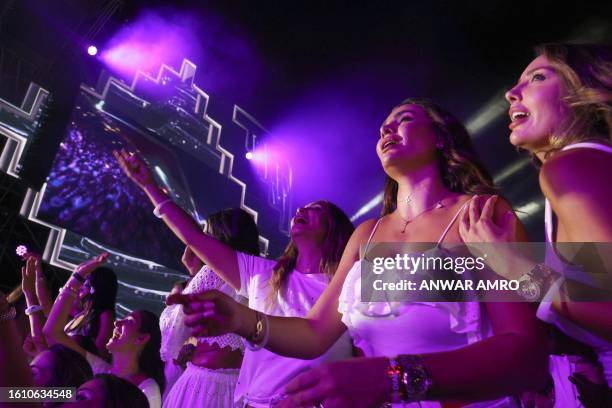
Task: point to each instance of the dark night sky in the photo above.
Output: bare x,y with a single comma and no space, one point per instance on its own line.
333,69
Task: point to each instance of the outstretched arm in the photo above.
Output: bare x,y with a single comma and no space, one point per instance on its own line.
36,314
213,313
220,257
14,371
54,328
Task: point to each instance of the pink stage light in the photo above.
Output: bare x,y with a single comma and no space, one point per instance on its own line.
148,42
92,50
249,155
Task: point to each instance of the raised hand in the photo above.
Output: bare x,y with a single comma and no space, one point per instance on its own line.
481,226
28,276
87,267
211,313
134,167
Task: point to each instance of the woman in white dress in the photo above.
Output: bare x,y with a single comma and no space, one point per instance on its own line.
288,286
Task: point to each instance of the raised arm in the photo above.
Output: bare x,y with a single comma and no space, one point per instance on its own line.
35,309
42,291
220,257
14,370
577,186
54,328
213,313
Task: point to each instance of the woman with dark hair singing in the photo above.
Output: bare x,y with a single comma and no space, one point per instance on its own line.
134,346
419,352
289,286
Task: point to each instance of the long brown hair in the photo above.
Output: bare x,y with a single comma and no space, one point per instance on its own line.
586,74
339,230
458,162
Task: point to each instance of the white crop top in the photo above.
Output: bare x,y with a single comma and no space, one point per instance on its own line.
172,320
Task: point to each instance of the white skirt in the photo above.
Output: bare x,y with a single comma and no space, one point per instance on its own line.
203,387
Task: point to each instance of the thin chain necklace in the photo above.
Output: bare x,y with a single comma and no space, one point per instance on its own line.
408,200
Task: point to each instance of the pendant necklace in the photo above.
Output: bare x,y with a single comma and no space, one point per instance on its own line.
408,200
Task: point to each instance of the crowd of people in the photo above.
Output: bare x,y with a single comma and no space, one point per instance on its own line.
246,331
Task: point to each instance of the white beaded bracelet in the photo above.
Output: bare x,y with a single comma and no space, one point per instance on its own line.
30,310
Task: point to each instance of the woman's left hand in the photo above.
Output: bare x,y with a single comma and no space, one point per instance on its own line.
360,382
481,226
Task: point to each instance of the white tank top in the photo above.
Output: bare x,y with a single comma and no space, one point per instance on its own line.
602,347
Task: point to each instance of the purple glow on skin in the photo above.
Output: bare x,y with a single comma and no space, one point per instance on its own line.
150,41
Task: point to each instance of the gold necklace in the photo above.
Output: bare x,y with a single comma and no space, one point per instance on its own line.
437,205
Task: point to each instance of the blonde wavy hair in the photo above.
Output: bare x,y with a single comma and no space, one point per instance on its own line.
586,74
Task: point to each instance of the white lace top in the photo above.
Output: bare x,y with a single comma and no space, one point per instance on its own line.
172,320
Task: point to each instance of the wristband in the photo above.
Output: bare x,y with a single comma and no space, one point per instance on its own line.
68,290
393,372
30,310
159,207
533,284
415,377
78,277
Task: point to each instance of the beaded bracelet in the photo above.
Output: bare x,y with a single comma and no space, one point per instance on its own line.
393,372
30,310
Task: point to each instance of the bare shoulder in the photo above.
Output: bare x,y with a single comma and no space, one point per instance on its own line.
579,170
362,232
576,182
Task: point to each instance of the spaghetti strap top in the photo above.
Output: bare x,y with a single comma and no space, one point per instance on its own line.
549,219
448,227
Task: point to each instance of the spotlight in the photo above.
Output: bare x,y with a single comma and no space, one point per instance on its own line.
92,50
21,250
249,155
